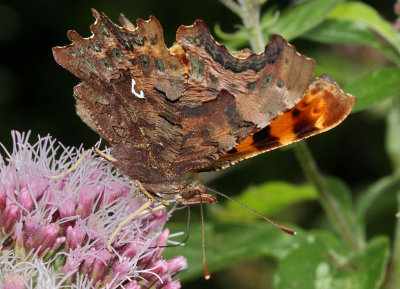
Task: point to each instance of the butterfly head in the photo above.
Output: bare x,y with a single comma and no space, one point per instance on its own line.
194,193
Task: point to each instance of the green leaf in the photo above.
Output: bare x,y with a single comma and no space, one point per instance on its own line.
227,244
233,41
319,263
348,32
267,199
269,18
389,185
365,269
375,87
341,67
308,265
307,260
302,17
341,195
366,15
337,31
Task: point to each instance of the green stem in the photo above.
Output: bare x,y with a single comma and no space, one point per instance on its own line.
328,202
249,11
251,19
392,140
392,148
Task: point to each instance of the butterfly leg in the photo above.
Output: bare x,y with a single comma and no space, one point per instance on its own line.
141,211
104,155
150,196
84,155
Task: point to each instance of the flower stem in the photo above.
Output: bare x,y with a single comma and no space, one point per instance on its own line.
393,150
249,12
327,200
251,19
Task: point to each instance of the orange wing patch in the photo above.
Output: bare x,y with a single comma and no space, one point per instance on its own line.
322,107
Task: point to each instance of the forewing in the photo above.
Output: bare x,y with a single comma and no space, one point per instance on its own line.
230,97
322,107
130,84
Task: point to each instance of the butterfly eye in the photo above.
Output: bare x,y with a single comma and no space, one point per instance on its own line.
188,192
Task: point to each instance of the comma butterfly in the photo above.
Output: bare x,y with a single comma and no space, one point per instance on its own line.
170,113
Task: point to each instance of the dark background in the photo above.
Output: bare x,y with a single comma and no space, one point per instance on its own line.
36,93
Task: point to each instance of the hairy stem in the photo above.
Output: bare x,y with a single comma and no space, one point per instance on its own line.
251,19
327,200
393,150
393,134
249,11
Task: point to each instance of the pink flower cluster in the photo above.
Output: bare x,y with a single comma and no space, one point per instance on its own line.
59,228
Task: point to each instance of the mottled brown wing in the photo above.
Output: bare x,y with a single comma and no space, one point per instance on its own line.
323,106
190,104
145,133
230,97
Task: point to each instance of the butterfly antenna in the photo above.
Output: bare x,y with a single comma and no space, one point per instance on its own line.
280,227
206,272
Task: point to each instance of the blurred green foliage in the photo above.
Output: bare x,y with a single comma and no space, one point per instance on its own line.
351,40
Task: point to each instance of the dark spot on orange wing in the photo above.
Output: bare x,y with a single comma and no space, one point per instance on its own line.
295,112
232,151
304,126
306,132
260,141
264,136
267,145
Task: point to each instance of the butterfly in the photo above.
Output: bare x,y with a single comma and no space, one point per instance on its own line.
170,113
